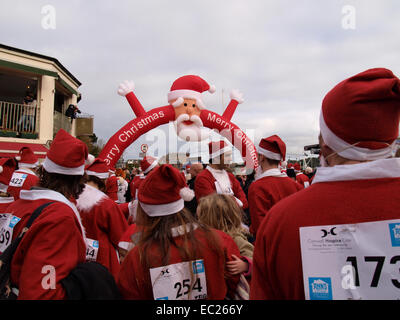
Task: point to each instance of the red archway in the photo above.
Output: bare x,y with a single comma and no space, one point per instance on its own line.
149,120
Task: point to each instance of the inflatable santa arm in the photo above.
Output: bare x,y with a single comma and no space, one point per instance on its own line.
125,89
236,98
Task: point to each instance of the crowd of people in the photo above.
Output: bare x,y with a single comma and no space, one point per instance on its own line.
204,233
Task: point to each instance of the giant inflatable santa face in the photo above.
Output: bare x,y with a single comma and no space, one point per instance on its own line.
185,97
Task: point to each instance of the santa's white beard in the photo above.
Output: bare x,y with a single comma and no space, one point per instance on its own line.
190,132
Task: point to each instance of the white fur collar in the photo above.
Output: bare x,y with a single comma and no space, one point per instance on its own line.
89,198
272,173
384,168
6,199
37,194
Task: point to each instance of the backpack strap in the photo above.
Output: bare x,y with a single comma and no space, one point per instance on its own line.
7,255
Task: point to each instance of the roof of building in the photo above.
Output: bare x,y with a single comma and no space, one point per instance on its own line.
34,54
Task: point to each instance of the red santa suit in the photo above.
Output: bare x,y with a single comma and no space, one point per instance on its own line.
5,202
112,187
302,179
331,199
55,239
135,282
368,191
135,184
268,189
220,181
104,222
22,179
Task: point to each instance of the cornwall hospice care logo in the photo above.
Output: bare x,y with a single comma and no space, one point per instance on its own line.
320,288
394,229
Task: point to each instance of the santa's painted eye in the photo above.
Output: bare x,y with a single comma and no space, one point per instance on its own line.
193,105
185,104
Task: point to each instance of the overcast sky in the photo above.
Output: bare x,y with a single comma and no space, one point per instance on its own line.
283,55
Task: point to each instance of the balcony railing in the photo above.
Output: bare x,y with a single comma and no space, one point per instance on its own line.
19,120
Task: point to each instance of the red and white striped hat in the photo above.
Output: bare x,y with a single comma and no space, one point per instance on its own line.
26,158
148,163
190,87
216,148
164,191
98,169
67,155
272,148
360,116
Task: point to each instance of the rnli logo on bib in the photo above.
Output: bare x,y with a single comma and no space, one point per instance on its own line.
320,288
394,229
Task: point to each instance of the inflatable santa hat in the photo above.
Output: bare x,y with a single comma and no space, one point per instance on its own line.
26,158
164,191
98,169
272,148
7,168
360,116
148,163
189,87
67,155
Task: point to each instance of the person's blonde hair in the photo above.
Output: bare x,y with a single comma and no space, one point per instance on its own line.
220,211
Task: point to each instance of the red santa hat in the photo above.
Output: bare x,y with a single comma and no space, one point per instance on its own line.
297,167
272,148
360,116
216,148
98,169
148,163
7,168
27,158
189,87
164,191
67,155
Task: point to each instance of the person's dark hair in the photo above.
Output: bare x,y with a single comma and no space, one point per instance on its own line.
291,173
101,184
157,232
67,185
272,162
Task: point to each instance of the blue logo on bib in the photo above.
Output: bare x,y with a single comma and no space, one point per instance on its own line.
320,288
394,229
14,221
198,266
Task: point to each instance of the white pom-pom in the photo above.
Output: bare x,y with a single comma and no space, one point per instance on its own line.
212,89
177,102
89,160
236,95
186,194
18,158
1,169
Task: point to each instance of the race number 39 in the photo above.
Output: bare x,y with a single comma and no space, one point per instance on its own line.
357,261
7,224
179,281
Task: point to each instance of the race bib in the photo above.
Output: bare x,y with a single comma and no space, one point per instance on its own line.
352,261
92,248
7,224
18,179
179,281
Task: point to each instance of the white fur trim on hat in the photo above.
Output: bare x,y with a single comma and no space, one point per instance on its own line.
28,165
348,151
100,175
53,167
189,94
269,154
159,210
153,164
186,194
